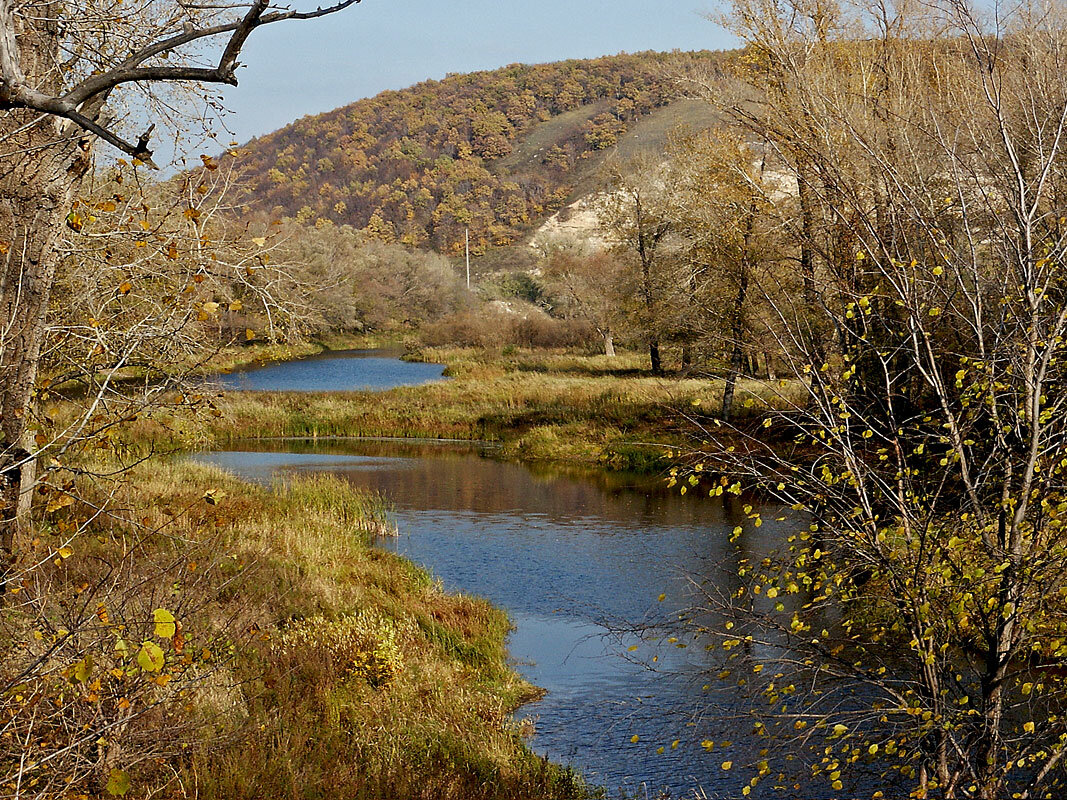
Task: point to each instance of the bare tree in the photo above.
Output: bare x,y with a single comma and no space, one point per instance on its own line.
922,603
64,70
636,217
587,284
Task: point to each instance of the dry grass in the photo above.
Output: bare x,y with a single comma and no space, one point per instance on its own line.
296,582
540,405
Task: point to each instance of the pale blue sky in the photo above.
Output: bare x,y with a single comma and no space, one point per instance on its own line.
300,68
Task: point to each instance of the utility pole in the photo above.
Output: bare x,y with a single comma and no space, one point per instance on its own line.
468,258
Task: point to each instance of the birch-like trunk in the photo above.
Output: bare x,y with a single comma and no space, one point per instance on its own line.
38,185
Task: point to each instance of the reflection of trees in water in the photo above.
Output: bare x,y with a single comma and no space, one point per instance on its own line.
580,546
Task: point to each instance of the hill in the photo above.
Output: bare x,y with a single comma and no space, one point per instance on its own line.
497,150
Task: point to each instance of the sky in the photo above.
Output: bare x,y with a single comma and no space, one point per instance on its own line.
299,68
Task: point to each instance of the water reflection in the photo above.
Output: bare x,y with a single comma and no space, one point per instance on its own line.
335,371
571,557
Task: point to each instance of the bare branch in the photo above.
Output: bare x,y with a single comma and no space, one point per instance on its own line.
15,92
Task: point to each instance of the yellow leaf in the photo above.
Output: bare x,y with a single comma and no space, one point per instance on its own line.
125,287
118,783
236,305
259,241
83,669
165,623
65,552
727,764
150,659
634,738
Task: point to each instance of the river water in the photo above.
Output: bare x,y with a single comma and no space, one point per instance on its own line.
577,561
580,561
333,371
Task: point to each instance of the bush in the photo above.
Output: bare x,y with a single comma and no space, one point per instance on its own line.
492,325
541,330
363,645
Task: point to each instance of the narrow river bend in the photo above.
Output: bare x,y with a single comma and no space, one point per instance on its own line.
579,560
573,559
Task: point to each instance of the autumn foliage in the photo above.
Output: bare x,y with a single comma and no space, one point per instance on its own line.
418,166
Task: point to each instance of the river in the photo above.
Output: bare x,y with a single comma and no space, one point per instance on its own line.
579,561
332,371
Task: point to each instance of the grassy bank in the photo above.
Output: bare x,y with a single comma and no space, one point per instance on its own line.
539,405
330,668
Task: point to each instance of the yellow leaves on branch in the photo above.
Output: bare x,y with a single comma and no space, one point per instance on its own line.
150,658
118,783
165,623
213,496
59,501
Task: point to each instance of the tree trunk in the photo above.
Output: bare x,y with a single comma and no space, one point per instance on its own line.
654,356
609,343
736,363
687,355
816,351
36,195
737,326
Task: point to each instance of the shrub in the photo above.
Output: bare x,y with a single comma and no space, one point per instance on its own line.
363,645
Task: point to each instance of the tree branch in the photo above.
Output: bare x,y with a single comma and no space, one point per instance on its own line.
15,92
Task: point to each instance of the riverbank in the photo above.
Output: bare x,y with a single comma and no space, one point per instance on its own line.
311,664
538,405
415,700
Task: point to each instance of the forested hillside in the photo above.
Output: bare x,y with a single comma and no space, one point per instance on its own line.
492,150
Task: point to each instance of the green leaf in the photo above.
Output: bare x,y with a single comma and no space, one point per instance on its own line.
165,623
118,783
150,658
